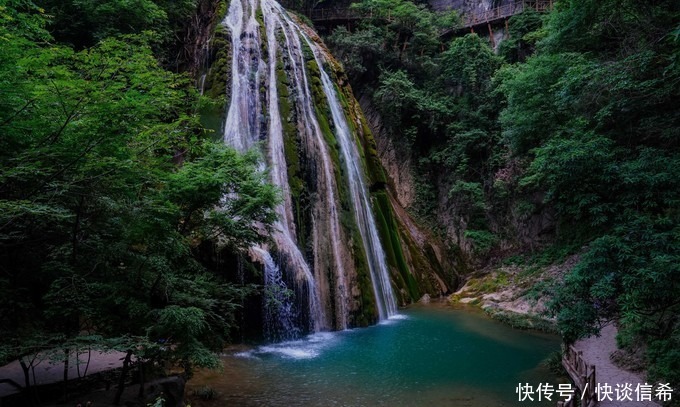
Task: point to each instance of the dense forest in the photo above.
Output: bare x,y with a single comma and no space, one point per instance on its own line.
110,185
572,117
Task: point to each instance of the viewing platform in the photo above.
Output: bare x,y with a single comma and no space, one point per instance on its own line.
504,12
468,21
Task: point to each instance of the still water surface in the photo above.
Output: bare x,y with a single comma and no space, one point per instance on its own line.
426,356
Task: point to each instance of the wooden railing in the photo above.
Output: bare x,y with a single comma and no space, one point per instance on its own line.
583,376
468,20
505,11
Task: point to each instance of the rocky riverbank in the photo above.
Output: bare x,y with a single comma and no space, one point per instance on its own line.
514,294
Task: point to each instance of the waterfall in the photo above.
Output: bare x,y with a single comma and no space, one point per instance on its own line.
279,314
242,131
311,128
377,263
242,125
320,272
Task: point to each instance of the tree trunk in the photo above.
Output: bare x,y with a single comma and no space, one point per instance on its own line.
142,379
27,377
123,375
28,389
66,355
76,228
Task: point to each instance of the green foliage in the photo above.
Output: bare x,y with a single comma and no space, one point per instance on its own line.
83,23
437,100
593,114
359,50
397,34
415,26
490,284
22,19
482,240
554,363
664,357
581,127
397,97
468,65
631,274
524,30
205,393
531,95
108,185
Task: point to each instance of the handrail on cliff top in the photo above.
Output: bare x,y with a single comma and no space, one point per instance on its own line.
468,20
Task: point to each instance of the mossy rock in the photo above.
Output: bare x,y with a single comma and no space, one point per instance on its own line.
389,236
521,321
221,10
218,79
298,179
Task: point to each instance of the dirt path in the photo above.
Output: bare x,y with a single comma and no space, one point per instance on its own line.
596,351
52,372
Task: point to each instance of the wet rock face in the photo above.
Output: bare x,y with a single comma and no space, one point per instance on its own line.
342,247
397,163
171,389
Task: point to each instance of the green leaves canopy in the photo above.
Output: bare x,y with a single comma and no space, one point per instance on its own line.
593,113
107,186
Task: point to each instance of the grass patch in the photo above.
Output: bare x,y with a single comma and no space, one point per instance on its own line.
521,321
490,283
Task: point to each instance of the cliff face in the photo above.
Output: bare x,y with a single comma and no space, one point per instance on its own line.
275,87
514,229
427,256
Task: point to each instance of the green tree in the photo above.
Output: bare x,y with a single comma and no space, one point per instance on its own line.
108,184
593,115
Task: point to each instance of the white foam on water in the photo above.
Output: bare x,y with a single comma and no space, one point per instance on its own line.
246,355
309,347
321,337
393,319
290,352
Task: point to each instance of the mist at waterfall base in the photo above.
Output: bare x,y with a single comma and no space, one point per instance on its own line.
427,355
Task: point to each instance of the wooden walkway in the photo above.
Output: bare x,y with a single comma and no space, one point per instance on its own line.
468,21
504,12
583,376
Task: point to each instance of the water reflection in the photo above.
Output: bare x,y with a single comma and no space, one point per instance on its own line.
429,355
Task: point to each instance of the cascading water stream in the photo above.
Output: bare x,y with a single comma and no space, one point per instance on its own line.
323,282
311,127
278,310
377,263
242,131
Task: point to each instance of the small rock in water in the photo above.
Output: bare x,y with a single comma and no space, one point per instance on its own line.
425,299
